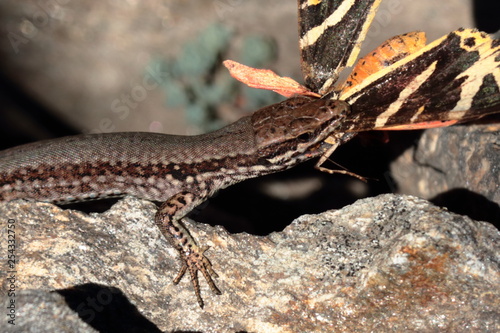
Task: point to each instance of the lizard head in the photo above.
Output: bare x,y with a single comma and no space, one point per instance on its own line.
292,131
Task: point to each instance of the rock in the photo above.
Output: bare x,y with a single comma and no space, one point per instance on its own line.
38,309
390,263
453,157
455,167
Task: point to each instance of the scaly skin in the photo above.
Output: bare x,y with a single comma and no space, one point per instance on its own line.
180,171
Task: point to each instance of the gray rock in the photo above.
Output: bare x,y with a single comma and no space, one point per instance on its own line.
390,263
455,167
450,158
40,311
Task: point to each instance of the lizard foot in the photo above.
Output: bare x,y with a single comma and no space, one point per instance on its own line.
195,261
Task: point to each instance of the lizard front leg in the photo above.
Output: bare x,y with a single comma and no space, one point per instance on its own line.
168,220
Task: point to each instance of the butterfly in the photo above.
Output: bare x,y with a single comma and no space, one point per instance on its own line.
403,84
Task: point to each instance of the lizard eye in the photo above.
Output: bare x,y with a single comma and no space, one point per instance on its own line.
305,137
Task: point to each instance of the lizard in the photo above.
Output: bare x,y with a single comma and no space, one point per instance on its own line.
180,171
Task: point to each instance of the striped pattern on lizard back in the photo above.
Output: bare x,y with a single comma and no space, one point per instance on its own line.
147,165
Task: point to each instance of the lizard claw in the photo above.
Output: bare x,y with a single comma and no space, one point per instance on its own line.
194,261
193,257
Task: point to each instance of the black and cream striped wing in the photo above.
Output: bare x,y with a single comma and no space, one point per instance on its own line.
330,35
453,79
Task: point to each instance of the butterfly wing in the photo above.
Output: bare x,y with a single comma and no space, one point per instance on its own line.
454,79
330,35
